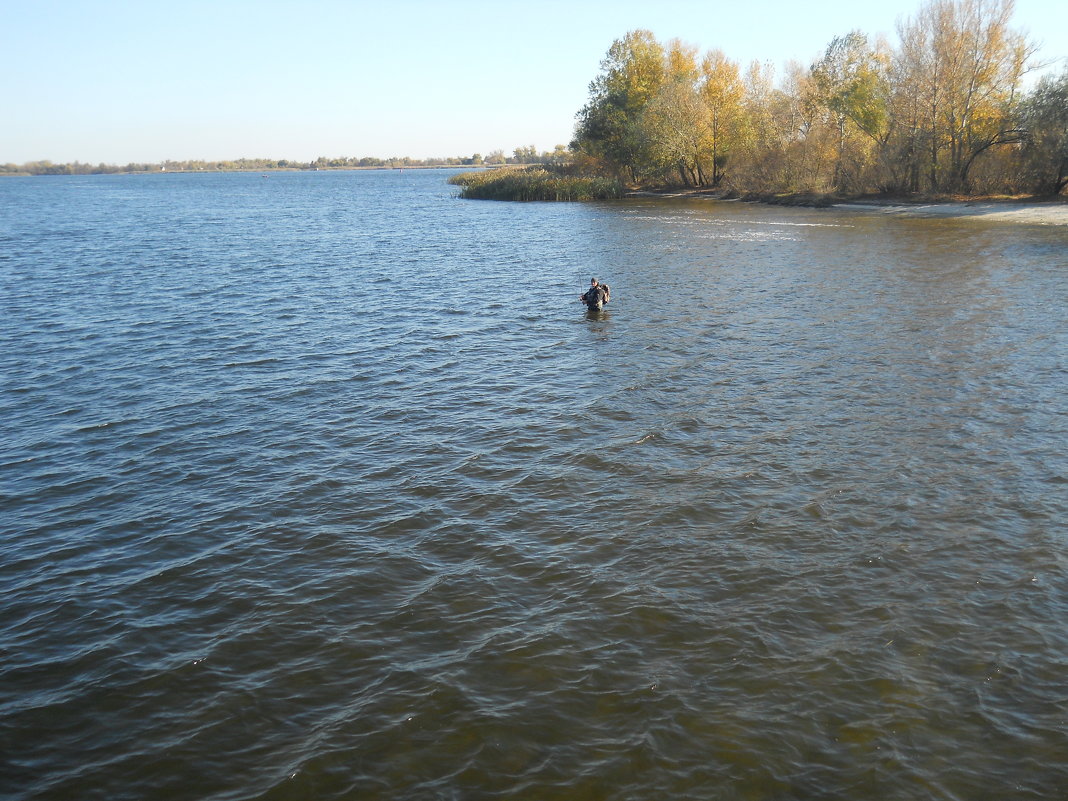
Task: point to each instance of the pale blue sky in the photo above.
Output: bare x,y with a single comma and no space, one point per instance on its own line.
97,81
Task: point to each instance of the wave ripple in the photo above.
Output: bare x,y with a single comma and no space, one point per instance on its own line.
320,487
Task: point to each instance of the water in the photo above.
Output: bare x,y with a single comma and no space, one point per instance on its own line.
324,485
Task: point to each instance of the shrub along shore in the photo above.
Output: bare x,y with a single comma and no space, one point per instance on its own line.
535,184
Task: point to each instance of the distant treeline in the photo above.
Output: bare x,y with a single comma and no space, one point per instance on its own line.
521,155
944,112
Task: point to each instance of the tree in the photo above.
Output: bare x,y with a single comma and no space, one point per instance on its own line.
675,121
769,128
1045,117
610,124
852,83
676,127
559,157
525,155
722,92
962,64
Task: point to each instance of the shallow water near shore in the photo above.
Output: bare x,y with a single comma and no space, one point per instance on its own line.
324,485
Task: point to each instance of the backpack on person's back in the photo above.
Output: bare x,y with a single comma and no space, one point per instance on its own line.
597,295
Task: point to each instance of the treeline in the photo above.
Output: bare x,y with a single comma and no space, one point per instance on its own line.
942,112
521,155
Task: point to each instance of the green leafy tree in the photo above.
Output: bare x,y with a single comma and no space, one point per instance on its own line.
610,126
852,83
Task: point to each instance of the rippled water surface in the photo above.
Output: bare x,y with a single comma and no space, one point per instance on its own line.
324,486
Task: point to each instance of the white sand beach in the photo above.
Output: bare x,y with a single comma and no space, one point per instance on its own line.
1030,212
1033,213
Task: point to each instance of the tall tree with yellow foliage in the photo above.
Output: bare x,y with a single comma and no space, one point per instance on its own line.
675,122
958,77
722,91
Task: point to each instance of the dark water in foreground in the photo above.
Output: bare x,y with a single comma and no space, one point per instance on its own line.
323,486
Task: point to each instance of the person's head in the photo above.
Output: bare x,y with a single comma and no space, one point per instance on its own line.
593,282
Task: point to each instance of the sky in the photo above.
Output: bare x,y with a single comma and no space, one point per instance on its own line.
147,81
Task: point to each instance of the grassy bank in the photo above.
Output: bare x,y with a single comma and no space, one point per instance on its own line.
534,184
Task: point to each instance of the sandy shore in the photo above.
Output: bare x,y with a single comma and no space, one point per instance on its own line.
1031,212
1052,212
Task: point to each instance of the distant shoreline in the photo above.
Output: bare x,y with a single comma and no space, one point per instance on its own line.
250,170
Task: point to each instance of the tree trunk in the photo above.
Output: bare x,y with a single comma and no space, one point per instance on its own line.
836,181
1062,178
933,175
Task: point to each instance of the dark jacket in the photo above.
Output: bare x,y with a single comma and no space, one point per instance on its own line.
595,297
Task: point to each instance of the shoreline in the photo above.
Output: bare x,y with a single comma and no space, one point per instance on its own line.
1032,212
1036,211
243,169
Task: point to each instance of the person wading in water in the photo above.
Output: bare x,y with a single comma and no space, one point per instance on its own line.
596,296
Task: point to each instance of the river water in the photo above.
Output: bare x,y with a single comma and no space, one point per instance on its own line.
325,486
